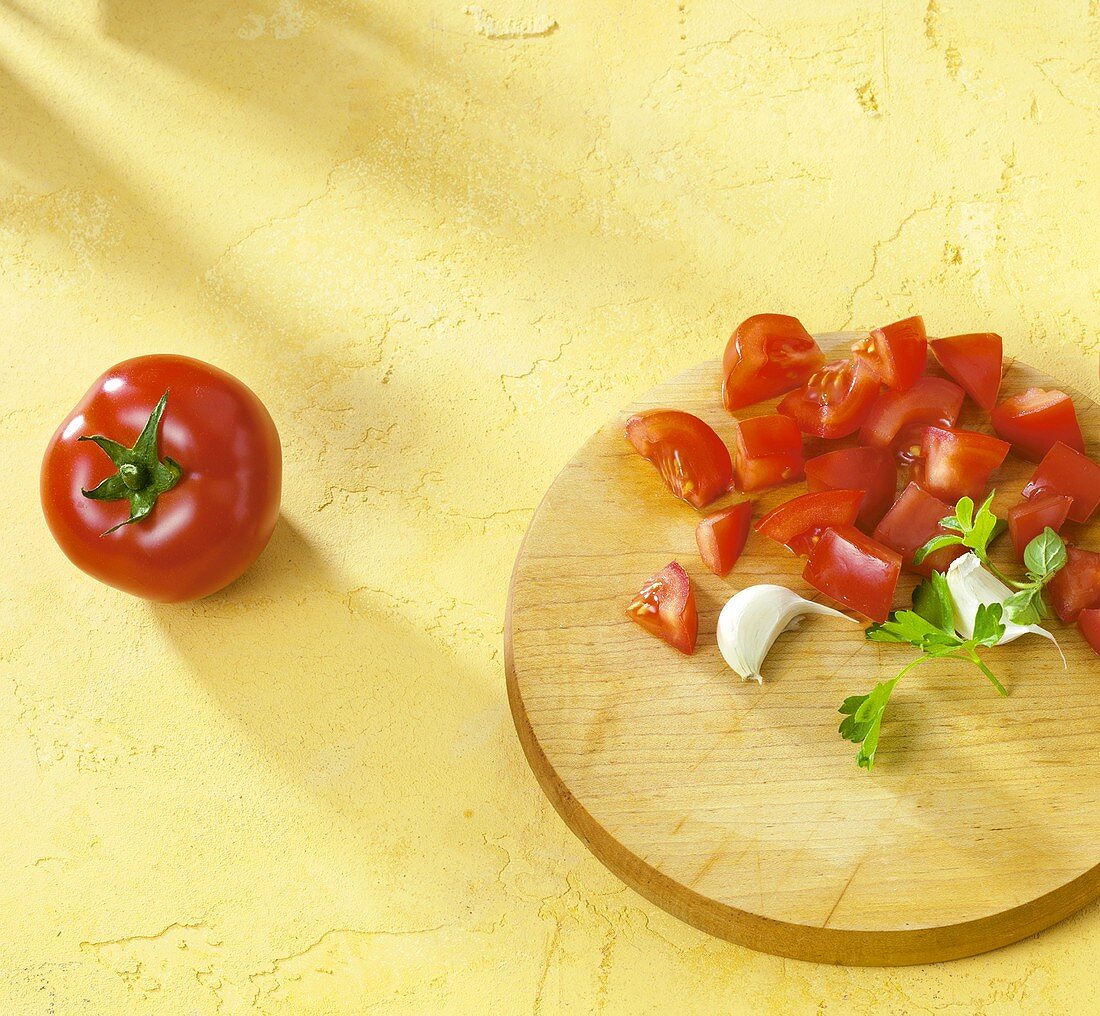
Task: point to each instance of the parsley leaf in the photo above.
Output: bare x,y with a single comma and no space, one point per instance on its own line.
863,720
975,530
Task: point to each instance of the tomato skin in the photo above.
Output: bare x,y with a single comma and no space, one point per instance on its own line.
1065,470
691,458
798,524
665,607
897,353
897,420
957,463
1028,519
911,523
768,452
203,533
1035,419
1076,585
1089,623
854,570
870,470
835,401
767,355
974,360
721,537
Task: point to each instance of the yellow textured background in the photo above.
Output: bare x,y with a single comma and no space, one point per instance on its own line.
443,243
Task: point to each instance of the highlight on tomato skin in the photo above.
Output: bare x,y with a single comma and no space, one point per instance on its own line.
767,452
721,537
835,401
976,361
665,607
1029,518
957,463
1065,470
897,419
913,520
854,570
798,524
690,457
897,353
1088,621
767,355
1035,420
870,470
1076,585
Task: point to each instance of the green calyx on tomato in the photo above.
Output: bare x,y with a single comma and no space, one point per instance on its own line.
142,476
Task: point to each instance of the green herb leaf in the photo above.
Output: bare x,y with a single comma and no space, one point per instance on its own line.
862,722
932,601
988,628
905,626
936,543
964,513
1020,607
1044,555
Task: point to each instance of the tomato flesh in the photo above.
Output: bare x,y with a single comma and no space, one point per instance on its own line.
870,470
768,452
957,463
202,533
799,523
1035,419
855,570
897,420
1028,519
911,523
767,355
1065,470
975,361
1076,585
896,353
835,401
1089,623
690,457
665,607
721,537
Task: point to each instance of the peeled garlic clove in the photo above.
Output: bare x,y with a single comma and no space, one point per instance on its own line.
754,618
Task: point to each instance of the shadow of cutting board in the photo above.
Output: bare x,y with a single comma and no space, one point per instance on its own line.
739,808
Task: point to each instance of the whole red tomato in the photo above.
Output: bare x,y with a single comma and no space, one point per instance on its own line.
164,480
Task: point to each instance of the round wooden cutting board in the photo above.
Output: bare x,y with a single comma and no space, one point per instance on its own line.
738,807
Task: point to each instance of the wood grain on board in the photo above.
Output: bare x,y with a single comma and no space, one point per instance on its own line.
739,808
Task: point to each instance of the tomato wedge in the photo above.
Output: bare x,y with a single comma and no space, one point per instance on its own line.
911,523
1028,519
1089,623
767,355
665,607
1035,419
768,452
689,455
835,401
896,353
1065,470
870,470
957,463
1076,585
974,360
799,523
855,570
897,420
721,537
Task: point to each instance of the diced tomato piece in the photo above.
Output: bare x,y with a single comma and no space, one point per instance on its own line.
871,470
911,523
721,537
799,523
957,463
768,452
855,570
767,355
897,419
689,455
1089,623
835,401
1076,585
974,361
897,353
1065,470
1028,519
665,607
1035,419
